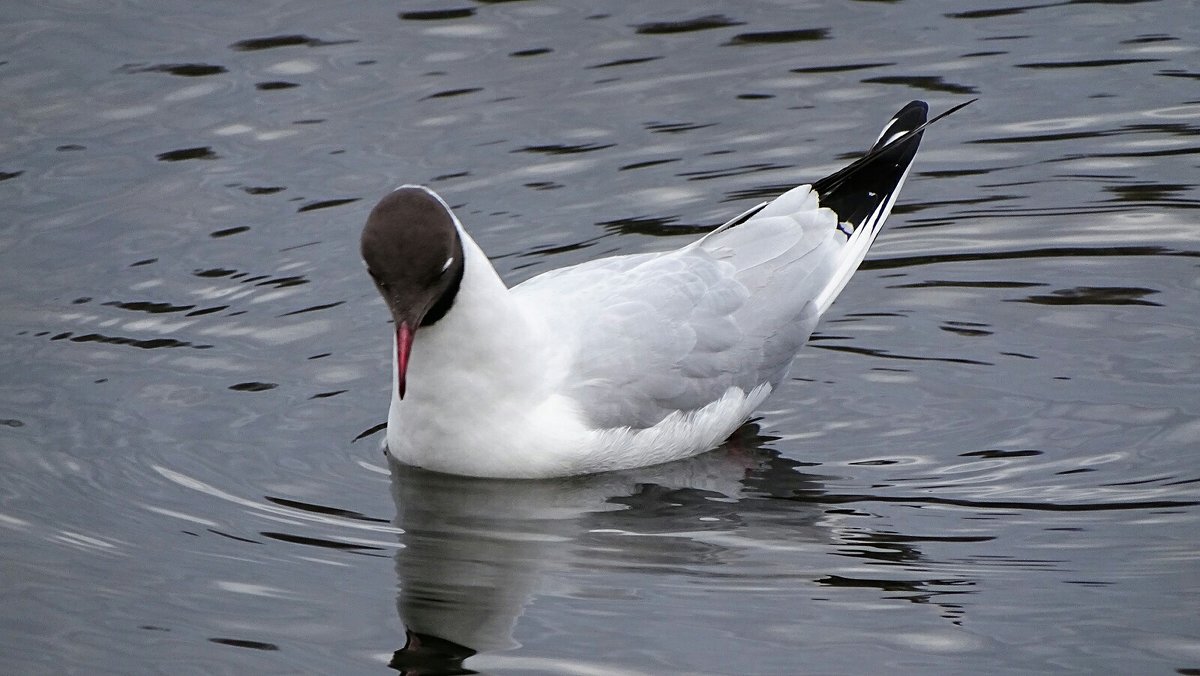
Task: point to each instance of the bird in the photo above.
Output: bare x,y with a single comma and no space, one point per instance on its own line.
619,362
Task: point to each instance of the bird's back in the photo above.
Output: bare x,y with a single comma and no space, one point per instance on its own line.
649,335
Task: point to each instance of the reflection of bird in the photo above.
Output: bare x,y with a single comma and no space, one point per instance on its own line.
475,550
619,362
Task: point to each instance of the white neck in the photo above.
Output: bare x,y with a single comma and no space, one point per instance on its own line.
480,367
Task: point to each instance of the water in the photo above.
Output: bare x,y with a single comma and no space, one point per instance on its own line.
984,461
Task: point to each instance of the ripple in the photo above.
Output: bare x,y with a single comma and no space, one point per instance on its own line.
702,23
277,41
780,37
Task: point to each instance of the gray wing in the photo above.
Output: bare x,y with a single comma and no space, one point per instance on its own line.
652,334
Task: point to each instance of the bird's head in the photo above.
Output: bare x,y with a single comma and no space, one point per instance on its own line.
414,254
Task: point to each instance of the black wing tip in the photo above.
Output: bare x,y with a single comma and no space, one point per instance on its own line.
878,171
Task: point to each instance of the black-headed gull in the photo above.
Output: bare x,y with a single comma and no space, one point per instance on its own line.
619,362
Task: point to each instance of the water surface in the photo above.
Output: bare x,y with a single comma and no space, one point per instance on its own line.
984,462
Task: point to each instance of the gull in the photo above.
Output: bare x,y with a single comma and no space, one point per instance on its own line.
619,362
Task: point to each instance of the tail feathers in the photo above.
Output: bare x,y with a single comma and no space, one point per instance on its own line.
857,193
862,194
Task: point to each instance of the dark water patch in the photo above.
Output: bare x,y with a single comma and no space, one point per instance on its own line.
227,232
900,538
438,14
652,226
299,246
148,344
917,207
314,308
326,395
1050,252
1000,453
1093,295
559,248
1092,63
1137,482
884,354
815,70
214,272
543,185
277,41
449,93
326,204
1180,129
197,153
253,387
1149,192
647,163
149,307
998,12
920,587
556,149
624,62
246,279
263,190
955,173
780,37
702,23
932,83
447,177
674,127
237,538
762,192
243,643
1178,73
1019,355
1174,152
320,542
709,174
274,84
11,422
70,148
855,316
277,282
971,55
754,97
370,431
145,261
537,51
324,510
961,331
5,175
1148,39
971,284
1004,505
180,69
426,654
206,311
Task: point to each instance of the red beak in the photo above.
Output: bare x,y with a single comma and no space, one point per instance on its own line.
404,338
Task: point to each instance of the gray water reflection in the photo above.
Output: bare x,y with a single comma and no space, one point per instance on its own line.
477,553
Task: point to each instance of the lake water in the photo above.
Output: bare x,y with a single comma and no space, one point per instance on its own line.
985,462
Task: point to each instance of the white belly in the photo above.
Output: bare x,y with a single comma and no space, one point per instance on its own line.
551,439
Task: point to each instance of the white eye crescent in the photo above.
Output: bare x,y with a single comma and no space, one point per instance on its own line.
447,264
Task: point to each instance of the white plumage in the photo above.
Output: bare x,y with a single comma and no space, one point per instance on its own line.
630,360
